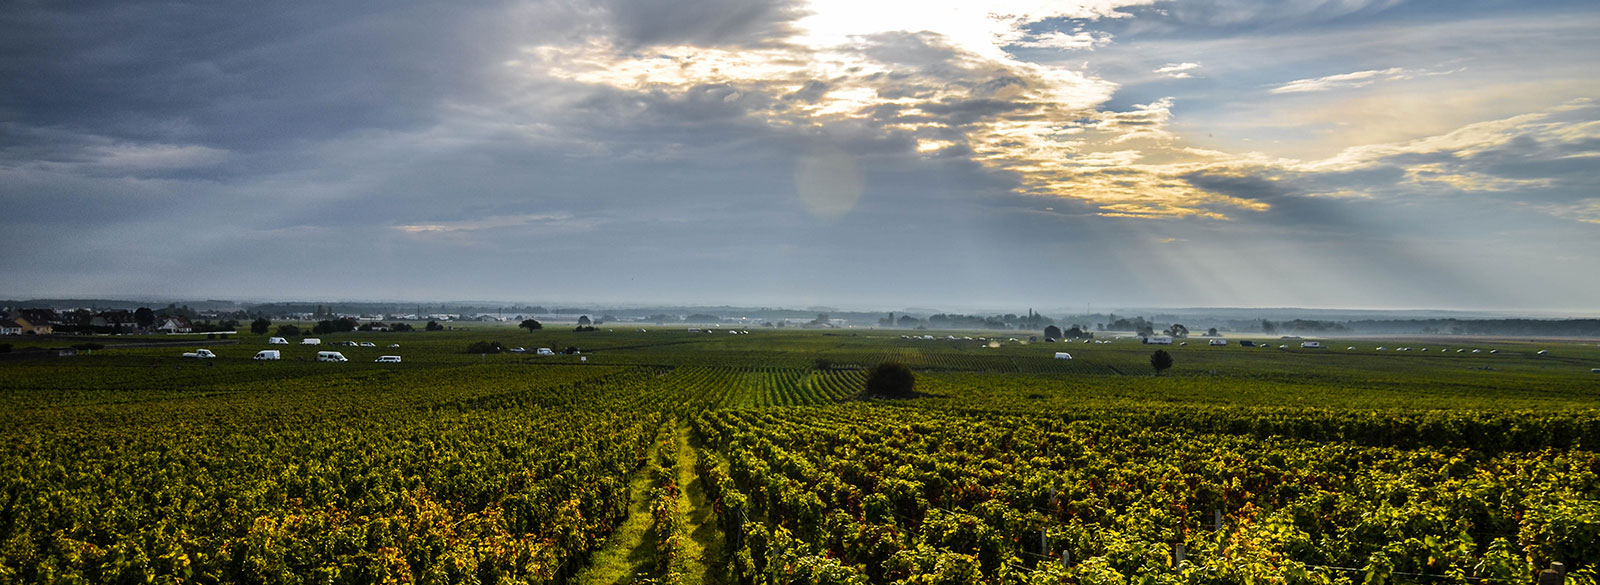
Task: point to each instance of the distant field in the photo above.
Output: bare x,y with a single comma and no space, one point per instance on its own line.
1238,465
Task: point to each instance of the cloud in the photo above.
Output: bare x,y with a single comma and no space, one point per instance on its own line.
668,144
1177,70
1055,39
1340,81
950,85
490,223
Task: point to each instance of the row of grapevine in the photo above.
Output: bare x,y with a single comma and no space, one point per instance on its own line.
904,492
483,474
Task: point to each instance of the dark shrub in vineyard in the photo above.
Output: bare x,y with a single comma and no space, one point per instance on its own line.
486,347
1160,360
891,380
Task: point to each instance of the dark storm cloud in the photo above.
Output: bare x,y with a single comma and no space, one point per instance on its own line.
229,75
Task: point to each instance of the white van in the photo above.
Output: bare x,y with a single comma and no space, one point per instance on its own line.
268,354
388,359
331,356
311,341
544,351
1061,355
277,341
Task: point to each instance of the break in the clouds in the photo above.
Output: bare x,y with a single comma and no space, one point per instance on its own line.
1369,153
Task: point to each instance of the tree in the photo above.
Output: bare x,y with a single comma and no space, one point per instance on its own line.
1212,332
1052,332
823,364
531,325
402,327
260,326
433,326
1160,360
1179,331
144,317
288,331
1268,327
583,321
891,380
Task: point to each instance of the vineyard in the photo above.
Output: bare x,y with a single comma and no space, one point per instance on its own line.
674,457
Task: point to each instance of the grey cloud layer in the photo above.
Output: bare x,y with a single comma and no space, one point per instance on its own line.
496,151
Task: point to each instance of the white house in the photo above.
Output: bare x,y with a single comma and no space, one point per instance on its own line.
174,325
9,327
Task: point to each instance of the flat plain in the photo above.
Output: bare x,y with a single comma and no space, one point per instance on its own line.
657,454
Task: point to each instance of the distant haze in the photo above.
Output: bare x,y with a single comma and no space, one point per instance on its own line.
1369,154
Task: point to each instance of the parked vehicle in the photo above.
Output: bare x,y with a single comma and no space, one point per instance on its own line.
268,354
545,351
368,344
388,359
331,356
311,341
200,353
277,341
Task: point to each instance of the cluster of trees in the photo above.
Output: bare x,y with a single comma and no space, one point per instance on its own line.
228,325
1074,332
1303,326
1031,320
341,325
1558,327
1115,323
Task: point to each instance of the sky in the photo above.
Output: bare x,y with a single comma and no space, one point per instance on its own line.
1306,153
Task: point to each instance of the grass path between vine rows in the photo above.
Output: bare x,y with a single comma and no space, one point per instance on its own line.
702,551
630,551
